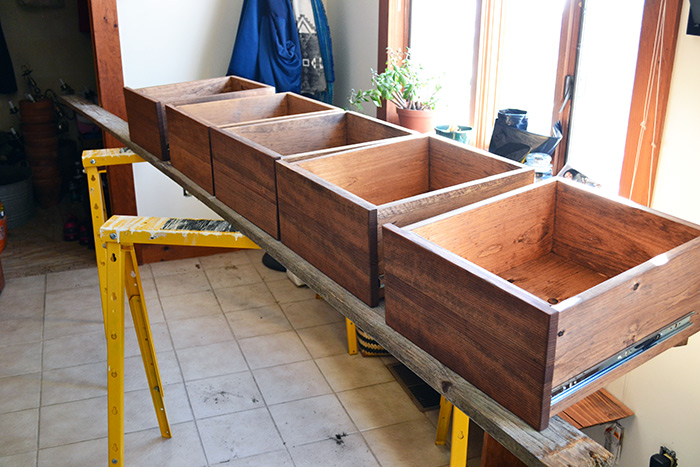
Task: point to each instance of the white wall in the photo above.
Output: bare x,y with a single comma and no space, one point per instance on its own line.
664,393
355,34
194,40
162,44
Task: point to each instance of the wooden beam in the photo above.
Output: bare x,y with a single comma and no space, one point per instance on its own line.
394,32
110,91
652,83
568,51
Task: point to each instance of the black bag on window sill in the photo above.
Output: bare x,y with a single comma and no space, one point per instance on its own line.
515,144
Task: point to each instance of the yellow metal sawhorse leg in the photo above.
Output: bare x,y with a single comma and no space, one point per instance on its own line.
118,274
460,432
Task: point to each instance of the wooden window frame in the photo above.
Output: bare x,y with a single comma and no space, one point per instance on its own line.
641,158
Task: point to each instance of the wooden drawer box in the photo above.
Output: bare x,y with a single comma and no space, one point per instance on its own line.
332,208
146,112
541,296
244,157
188,126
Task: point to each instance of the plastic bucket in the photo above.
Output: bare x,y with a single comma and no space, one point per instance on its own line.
513,117
17,195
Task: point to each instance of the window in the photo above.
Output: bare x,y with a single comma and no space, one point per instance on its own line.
445,40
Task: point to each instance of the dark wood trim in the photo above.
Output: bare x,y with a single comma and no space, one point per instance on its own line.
394,31
110,91
640,187
568,52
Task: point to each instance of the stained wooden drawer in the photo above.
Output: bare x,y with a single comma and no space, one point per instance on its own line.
541,296
188,126
244,157
332,208
145,107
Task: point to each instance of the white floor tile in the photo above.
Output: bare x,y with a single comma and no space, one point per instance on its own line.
239,435
200,331
274,349
258,321
407,444
313,419
19,392
313,312
18,431
192,305
345,371
211,360
348,451
380,405
290,382
220,395
244,297
233,276
20,359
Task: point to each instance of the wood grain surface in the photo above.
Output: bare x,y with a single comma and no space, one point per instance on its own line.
499,341
146,106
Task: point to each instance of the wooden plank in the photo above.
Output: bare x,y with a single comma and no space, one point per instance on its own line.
639,186
497,340
300,135
612,235
147,122
493,454
244,178
336,233
560,444
394,32
626,309
401,168
596,409
498,235
553,278
146,106
110,90
566,66
447,167
189,144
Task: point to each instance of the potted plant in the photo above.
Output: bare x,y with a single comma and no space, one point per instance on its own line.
404,83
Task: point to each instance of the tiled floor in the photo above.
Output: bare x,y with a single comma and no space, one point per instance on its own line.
255,370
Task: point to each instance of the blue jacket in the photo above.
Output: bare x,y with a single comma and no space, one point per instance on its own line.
267,45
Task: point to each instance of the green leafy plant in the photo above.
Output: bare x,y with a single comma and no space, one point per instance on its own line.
404,83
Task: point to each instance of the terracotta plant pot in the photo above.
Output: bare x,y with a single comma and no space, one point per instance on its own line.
418,120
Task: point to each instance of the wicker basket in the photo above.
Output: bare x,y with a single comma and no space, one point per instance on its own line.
368,347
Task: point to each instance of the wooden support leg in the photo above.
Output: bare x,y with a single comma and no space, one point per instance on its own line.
97,215
460,434
443,421
134,292
352,336
115,353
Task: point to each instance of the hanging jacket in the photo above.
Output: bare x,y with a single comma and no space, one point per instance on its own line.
8,83
267,45
324,39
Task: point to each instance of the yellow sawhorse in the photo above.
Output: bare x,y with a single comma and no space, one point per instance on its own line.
460,432
119,275
119,235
